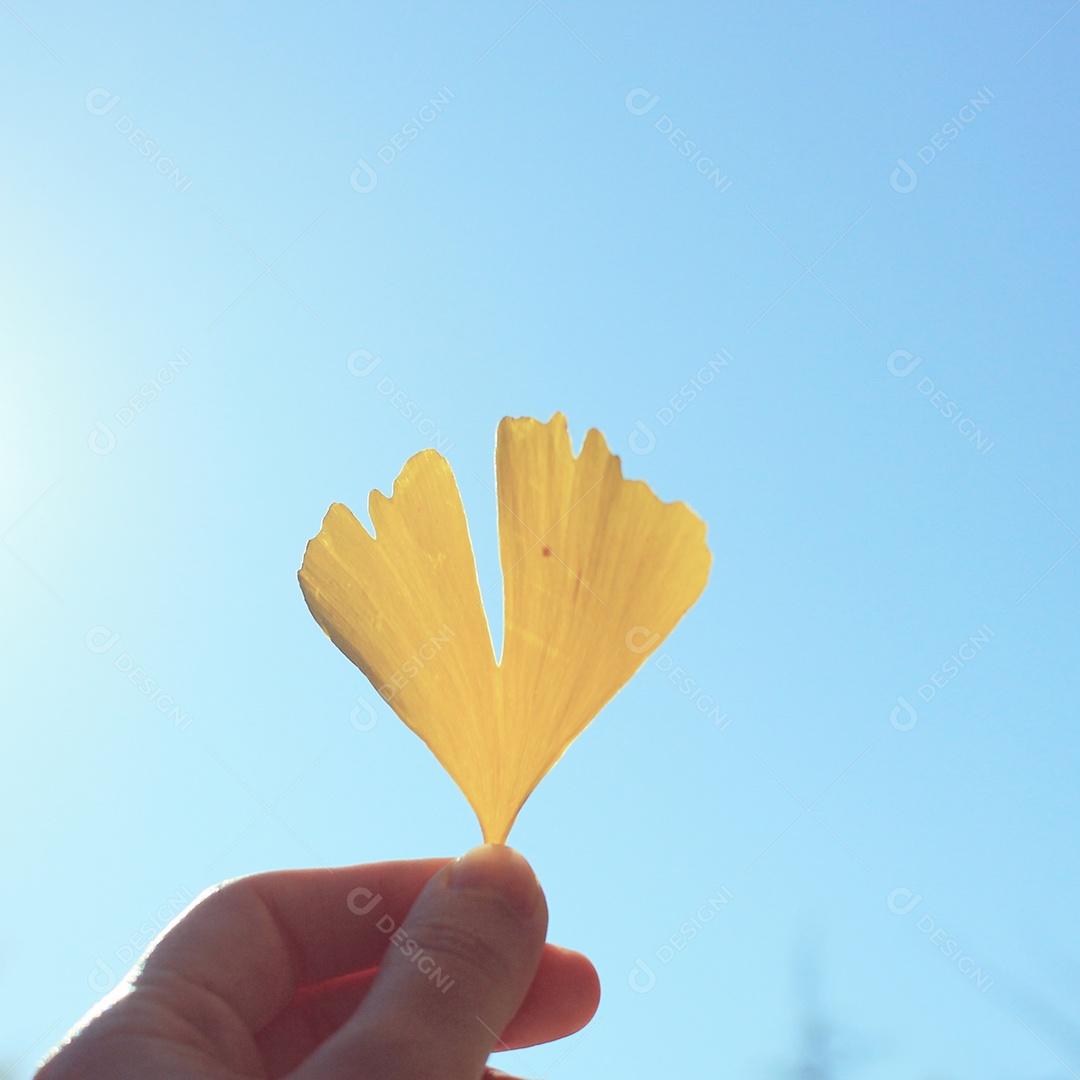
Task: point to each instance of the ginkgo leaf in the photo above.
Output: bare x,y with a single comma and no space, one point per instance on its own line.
596,572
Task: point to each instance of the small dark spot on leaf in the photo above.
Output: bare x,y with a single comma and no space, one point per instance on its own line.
547,551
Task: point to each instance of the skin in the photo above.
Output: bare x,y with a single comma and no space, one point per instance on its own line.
307,975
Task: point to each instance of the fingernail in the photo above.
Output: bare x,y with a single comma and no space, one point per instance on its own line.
501,870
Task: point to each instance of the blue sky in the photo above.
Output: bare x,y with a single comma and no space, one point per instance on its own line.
854,228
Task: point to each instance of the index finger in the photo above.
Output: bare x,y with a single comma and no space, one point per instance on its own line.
256,940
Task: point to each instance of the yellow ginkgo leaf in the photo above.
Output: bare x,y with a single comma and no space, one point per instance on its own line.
596,572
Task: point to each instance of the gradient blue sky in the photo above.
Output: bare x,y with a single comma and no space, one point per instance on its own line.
533,242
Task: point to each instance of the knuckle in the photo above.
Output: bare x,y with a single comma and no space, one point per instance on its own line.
465,951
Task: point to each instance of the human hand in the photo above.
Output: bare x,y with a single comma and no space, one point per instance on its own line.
401,969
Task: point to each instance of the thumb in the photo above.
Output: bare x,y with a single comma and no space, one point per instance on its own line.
452,978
